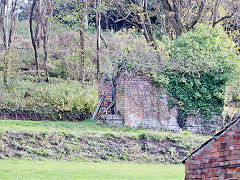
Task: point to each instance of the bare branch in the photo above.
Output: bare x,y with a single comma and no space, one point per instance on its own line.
223,18
194,22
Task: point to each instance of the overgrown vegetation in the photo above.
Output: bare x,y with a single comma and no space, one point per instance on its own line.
203,63
60,100
67,46
92,142
196,67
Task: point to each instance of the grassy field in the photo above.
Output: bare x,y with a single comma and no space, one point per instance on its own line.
87,150
26,170
85,127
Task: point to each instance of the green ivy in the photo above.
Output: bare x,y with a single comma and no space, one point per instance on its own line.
197,92
201,64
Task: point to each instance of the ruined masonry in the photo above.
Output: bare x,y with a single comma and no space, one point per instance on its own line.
142,104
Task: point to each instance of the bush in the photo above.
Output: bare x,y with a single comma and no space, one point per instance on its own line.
204,49
56,99
202,62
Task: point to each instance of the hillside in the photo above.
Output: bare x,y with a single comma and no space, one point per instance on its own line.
88,141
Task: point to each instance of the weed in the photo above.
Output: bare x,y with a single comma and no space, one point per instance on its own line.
186,133
143,136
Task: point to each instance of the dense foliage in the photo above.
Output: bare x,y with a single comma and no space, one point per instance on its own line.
60,100
202,62
195,67
195,93
204,49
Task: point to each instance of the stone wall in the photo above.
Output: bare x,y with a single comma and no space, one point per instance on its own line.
113,120
217,159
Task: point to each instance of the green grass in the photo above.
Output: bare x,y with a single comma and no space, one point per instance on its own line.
26,170
83,127
51,126
89,141
87,127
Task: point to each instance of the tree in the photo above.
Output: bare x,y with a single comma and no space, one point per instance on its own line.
98,25
228,14
216,13
35,37
46,17
8,10
74,13
174,15
82,9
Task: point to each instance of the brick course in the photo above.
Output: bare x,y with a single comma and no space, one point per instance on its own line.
219,158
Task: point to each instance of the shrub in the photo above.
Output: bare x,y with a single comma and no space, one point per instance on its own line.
56,99
204,49
202,62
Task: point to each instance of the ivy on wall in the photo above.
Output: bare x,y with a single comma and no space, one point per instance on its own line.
201,64
195,93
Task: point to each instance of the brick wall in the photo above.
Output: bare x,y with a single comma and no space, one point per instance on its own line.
144,105
219,159
105,86
113,120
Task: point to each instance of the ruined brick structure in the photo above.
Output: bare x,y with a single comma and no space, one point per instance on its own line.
144,105
218,158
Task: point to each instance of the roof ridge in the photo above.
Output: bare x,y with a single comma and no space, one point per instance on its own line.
235,118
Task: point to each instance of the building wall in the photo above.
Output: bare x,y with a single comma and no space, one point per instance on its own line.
105,86
144,105
219,159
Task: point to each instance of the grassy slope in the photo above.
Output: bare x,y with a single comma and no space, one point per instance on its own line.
85,127
52,126
16,169
89,141
22,143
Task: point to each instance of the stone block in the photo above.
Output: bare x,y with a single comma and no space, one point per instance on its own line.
113,120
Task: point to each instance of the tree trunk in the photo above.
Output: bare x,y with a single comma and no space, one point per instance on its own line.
5,10
46,25
148,25
82,23
82,49
85,6
7,36
106,21
45,49
98,25
5,69
34,37
12,23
